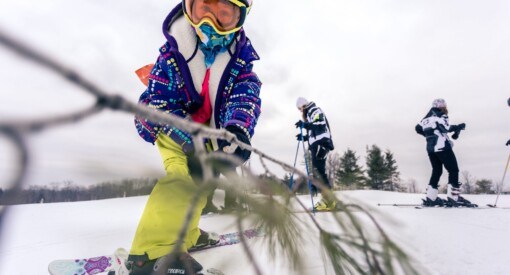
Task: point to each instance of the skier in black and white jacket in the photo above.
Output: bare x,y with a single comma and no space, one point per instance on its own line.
435,128
319,141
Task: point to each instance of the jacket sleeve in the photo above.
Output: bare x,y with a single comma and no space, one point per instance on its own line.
161,94
316,120
243,104
442,124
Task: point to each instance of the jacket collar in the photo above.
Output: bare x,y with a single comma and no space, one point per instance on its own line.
309,106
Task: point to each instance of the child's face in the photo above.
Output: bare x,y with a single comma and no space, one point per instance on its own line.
222,13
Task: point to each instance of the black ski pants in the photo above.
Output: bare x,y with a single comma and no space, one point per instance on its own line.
446,158
319,155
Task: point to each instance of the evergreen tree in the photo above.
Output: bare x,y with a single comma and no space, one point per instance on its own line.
392,177
376,168
349,174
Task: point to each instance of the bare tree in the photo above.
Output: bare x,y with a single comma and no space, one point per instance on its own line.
484,186
468,182
412,186
332,164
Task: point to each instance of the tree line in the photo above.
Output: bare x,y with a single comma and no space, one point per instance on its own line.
381,173
345,172
68,192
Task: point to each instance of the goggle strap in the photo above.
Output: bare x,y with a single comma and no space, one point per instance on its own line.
244,12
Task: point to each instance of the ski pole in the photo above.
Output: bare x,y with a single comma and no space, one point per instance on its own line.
291,183
307,172
502,182
245,187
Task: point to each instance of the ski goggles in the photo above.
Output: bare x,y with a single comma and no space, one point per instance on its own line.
225,16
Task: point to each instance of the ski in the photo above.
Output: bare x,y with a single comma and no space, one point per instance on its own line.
497,207
213,271
107,263
479,207
401,204
232,238
421,206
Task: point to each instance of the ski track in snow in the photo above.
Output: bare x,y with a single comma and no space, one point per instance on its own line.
447,241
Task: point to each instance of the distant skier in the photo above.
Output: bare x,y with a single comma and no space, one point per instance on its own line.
320,143
435,128
203,73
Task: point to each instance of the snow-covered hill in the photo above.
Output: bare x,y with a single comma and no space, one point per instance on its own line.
447,241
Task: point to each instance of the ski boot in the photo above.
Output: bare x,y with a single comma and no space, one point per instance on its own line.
206,239
460,202
210,208
119,262
180,263
455,199
232,207
427,202
432,199
324,205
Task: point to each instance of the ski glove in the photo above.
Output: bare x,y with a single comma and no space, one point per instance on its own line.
456,134
458,128
419,130
300,137
229,148
302,124
508,142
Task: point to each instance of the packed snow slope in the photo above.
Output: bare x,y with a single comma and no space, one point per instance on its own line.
447,241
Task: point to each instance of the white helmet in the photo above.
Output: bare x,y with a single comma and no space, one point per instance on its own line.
439,103
301,101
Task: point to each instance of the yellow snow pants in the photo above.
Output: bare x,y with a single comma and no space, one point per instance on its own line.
165,211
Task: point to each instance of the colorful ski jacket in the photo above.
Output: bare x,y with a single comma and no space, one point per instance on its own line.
435,127
318,127
172,88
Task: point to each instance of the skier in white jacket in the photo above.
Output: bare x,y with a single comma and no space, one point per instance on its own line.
435,128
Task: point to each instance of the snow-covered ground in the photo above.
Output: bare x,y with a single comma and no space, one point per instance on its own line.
447,241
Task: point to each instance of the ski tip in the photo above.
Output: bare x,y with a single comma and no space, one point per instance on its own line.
492,205
214,271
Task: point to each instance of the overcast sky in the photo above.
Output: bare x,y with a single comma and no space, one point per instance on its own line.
374,67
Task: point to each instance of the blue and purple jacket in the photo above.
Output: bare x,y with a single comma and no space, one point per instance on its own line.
171,90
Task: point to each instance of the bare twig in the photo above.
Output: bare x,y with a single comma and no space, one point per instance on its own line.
17,131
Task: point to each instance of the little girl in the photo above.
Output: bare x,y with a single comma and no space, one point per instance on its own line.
203,73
